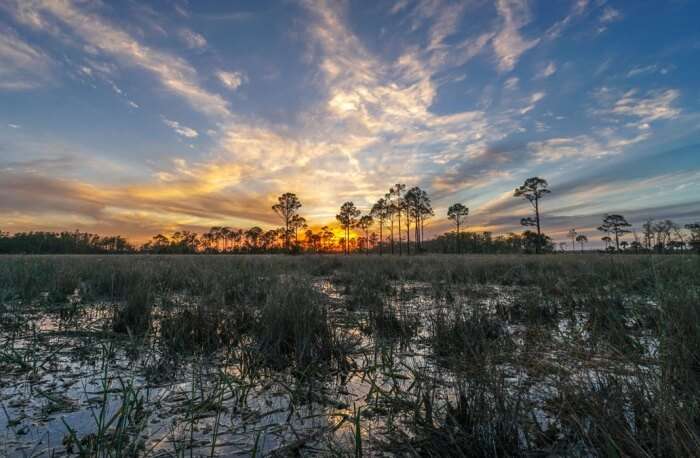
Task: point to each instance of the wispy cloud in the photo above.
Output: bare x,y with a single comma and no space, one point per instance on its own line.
231,80
581,147
547,71
179,129
653,106
532,102
174,73
511,83
192,39
22,66
648,70
578,8
509,44
609,15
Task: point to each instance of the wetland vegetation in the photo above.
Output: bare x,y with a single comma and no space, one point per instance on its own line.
433,355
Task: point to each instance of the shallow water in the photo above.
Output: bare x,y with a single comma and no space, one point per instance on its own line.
61,369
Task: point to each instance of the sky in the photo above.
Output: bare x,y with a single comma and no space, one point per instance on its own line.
134,118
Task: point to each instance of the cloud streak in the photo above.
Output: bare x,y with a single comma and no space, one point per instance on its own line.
173,72
22,66
181,130
509,43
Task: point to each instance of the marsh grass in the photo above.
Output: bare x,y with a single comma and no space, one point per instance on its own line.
418,356
461,336
133,317
293,326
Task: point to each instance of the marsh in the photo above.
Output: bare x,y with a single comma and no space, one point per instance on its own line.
427,356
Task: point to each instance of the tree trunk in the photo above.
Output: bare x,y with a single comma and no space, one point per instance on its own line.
537,218
422,232
392,234
458,238
408,233
417,226
400,248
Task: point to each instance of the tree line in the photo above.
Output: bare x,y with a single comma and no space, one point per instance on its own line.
394,224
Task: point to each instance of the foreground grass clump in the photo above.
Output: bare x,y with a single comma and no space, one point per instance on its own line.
459,336
293,326
566,355
198,328
133,317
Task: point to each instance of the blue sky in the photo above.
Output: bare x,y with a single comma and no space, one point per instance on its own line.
136,118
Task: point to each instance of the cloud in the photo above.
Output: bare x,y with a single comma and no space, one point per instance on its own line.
646,70
480,169
179,129
532,102
653,106
231,80
511,83
509,44
583,146
14,126
399,6
192,39
547,71
173,72
577,9
22,67
609,15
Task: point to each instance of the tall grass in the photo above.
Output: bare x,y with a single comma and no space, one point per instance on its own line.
508,356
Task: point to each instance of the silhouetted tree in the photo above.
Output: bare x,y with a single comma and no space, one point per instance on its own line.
678,232
406,208
380,212
694,229
615,225
426,211
327,236
287,206
636,246
581,239
572,235
297,222
662,230
373,239
457,213
347,219
533,189
364,223
539,243
252,237
237,237
396,193
390,211
417,202
648,231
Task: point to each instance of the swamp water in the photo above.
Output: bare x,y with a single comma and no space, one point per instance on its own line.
411,363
